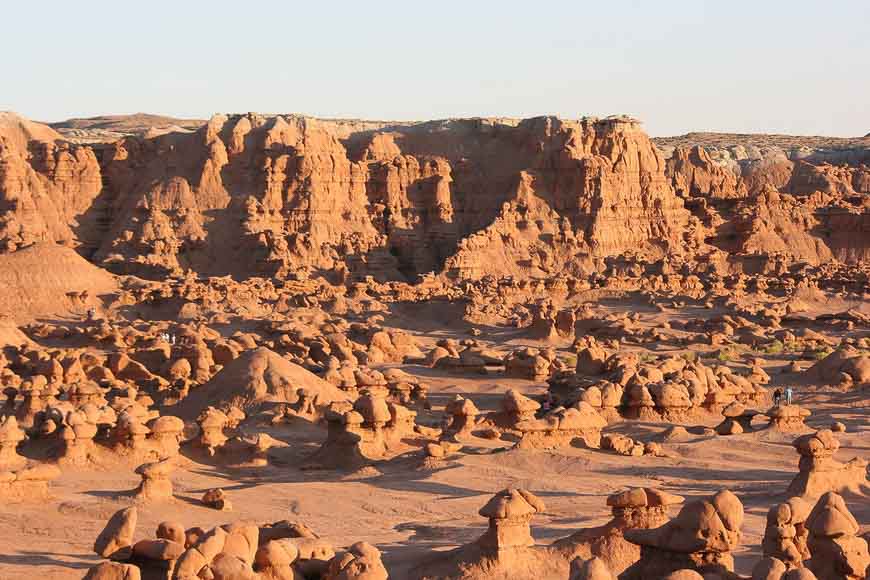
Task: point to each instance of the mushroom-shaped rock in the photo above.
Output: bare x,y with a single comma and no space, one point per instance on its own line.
166,432
260,445
156,484
788,418
509,512
211,424
637,508
131,431
819,472
738,419
463,413
374,410
518,407
642,507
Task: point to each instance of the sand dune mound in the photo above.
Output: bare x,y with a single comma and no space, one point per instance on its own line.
46,279
257,376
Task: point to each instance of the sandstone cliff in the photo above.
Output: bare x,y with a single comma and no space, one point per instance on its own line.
271,195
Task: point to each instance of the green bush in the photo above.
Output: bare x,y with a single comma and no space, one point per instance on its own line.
775,347
725,356
822,353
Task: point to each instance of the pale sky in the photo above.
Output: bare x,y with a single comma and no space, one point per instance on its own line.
762,66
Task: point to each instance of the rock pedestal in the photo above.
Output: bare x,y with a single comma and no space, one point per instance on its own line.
738,419
788,418
10,436
700,538
463,416
509,513
156,484
166,433
637,508
211,423
819,472
515,407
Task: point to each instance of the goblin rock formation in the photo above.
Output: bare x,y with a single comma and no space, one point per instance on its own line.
819,472
701,537
238,551
837,551
638,508
785,536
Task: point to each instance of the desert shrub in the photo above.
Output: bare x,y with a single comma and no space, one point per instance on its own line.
725,355
690,356
775,347
821,353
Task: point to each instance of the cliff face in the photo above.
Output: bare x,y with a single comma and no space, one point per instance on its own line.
45,185
695,174
248,194
588,190
807,205
239,196
251,195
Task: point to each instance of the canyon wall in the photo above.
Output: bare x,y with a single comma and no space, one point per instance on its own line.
247,195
